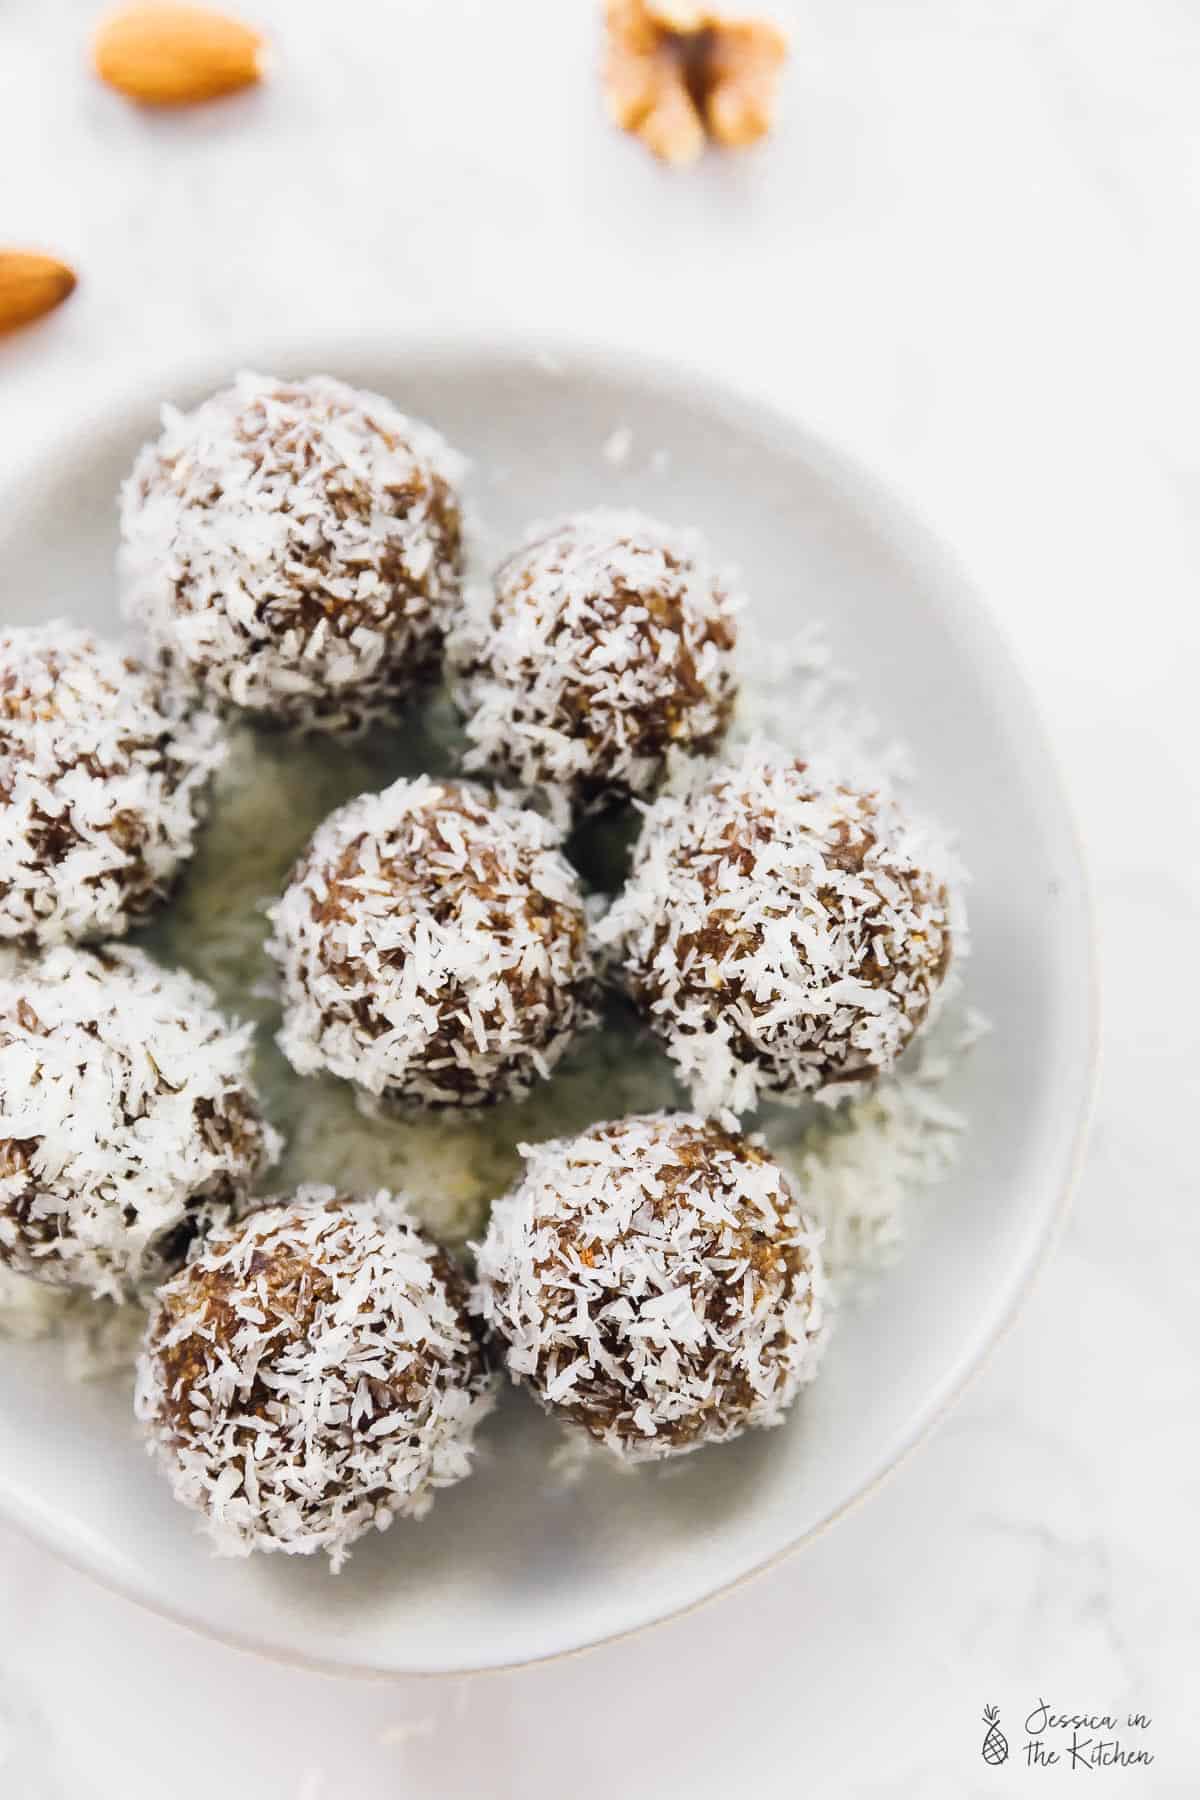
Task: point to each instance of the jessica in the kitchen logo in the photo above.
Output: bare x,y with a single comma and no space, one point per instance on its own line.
1083,1740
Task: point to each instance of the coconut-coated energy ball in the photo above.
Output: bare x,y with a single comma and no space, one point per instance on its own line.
433,947
295,547
608,641
784,934
653,1282
128,1120
311,1374
103,773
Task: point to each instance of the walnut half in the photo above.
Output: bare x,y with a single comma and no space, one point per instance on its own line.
676,72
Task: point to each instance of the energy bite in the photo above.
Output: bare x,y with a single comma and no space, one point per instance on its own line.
608,641
782,933
433,947
653,1283
103,772
128,1120
296,548
312,1374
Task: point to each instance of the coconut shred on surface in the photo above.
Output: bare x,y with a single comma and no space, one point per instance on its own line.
653,1279
312,1375
103,772
431,947
127,1119
561,666
770,894
859,1171
314,478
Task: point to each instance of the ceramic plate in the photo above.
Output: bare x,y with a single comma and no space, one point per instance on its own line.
515,1565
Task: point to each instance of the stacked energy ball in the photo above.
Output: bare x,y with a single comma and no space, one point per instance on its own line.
314,1365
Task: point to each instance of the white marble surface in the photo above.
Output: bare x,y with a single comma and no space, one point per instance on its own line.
970,255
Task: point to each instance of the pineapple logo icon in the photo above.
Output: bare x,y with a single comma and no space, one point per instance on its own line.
995,1744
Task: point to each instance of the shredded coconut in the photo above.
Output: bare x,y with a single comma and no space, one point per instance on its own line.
312,1374
859,1168
98,1339
795,694
783,933
103,768
617,446
654,1283
433,947
607,641
296,547
127,1119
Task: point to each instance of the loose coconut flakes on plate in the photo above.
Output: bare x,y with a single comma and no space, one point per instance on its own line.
860,1170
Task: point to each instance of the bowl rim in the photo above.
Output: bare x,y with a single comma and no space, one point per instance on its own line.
558,352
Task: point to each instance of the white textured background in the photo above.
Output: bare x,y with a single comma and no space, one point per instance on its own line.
971,254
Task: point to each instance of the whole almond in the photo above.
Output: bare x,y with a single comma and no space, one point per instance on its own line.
170,55
30,286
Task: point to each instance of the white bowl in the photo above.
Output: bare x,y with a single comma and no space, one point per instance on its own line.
512,1566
